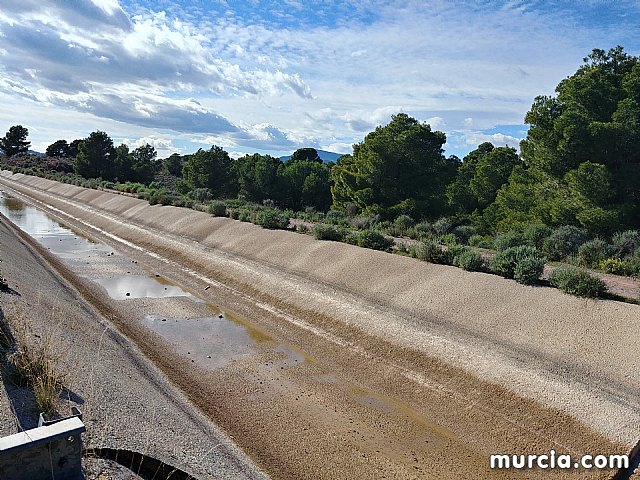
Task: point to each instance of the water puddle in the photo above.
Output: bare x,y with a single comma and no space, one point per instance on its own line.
80,251
58,239
209,342
124,287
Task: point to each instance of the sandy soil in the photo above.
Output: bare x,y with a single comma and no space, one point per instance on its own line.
405,369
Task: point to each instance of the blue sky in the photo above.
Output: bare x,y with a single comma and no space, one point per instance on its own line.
272,76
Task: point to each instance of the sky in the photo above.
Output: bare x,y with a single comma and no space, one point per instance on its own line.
272,76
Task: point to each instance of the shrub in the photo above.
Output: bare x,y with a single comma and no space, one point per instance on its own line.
528,270
480,241
591,253
245,215
272,218
577,282
535,234
427,250
450,253
200,194
563,241
267,202
506,262
449,239
374,240
235,214
217,208
616,266
324,231
302,228
403,222
469,259
442,226
402,248
236,202
512,238
626,243
423,228
365,222
464,232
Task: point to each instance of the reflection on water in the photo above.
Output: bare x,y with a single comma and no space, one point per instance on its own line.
209,342
140,286
48,232
71,245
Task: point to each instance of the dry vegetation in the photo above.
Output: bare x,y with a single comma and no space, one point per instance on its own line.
33,360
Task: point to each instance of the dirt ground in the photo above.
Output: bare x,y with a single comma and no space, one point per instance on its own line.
365,364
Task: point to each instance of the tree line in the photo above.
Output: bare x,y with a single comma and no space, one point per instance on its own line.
579,164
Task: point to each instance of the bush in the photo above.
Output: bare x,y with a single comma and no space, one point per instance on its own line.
506,263
469,259
217,208
374,240
235,214
427,251
245,215
423,228
577,282
403,222
463,233
272,218
591,253
512,238
236,202
616,266
449,239
200,194
324,231
626,243
535,234
563,241
442,226
302,228
481,241
365,222
528,270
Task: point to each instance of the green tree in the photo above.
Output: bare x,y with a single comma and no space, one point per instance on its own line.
480,176
307,155
257,176
73,148
15,141
59,148
143,164
304,184
209,169
582,151
398,169
122,163
96,155
174,164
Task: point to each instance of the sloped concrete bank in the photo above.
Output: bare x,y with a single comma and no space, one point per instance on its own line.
573,355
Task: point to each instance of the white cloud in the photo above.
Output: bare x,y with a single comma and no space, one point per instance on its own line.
248,82
498,139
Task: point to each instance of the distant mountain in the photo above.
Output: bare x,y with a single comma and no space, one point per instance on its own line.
33,152
323,154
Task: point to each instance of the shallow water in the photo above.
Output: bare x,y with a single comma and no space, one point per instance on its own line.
73,246
139,286
209,342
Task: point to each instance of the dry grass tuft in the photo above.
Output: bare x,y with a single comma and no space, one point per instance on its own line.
36,360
